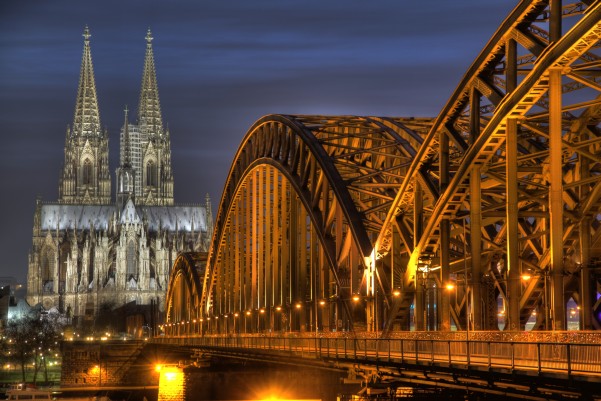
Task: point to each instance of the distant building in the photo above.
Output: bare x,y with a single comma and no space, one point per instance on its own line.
90,252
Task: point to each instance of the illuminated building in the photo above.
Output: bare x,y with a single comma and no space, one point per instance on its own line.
90,252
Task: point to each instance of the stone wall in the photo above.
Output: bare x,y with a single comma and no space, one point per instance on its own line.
98,363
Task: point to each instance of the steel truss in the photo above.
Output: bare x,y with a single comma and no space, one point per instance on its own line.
428,221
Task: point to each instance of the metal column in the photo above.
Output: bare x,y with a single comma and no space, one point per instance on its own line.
513,274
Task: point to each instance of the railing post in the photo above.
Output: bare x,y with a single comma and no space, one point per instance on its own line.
345,348
336,347
512,357
467,352
388,340
538,357
354,347
432,352
416,357
402,350
489,357
568,354
449,349
365,348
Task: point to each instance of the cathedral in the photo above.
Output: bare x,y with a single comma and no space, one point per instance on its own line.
90,252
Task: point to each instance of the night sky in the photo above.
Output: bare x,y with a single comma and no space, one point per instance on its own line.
221,65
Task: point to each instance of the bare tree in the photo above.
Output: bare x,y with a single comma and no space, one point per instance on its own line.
32,339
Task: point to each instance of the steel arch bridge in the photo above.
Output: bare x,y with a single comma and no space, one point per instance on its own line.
369,223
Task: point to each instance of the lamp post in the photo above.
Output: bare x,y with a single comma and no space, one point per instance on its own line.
526,277
261,320
298,306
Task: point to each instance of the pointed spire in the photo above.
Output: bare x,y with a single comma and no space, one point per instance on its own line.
87,117
149,112
126,141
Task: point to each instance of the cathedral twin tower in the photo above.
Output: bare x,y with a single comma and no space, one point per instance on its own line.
91,253
145,162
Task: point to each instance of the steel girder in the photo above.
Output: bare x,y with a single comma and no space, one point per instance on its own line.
504,182
512,166
334,178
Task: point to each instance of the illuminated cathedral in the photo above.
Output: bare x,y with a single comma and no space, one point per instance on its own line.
91,252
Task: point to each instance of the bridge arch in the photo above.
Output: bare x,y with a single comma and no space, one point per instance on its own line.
512,158
183,293
432,222
301,207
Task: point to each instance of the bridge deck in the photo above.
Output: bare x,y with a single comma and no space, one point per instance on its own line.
535,370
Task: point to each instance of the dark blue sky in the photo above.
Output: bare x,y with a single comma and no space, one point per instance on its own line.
220,66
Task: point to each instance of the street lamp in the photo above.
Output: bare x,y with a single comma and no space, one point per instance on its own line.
260,320
526,277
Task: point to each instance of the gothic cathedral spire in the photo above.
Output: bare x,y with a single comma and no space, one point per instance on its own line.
149,109
126,174
154,178
87,117
85,177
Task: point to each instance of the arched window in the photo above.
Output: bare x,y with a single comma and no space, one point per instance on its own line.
151,174
131,260
48,265
87,172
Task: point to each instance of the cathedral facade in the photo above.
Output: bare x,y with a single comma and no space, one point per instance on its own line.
91,252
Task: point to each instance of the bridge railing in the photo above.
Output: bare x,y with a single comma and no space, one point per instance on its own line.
568,358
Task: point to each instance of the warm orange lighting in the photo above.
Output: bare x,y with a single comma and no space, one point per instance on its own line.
526,277
356,298
236,314
247,313
298,305
450,286
322,302
262,310
396,293
278,308
158,368
171,383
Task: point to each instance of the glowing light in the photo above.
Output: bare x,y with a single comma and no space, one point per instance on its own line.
356,298
450,286
322,302
262,310
171,383
278,308
396,292
526,277
247,313
298,305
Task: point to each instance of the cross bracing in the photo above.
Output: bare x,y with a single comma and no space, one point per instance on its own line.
491,208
